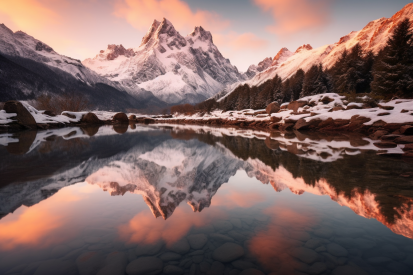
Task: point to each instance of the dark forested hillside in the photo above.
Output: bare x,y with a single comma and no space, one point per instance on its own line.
25,79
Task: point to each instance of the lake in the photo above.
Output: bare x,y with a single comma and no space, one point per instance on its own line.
175,199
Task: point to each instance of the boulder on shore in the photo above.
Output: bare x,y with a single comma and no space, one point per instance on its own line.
273,107
404,140
120,118
294,105
91,118
23,115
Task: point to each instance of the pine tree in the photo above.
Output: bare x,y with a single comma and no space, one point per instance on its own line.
296,84
309,81
393,70
352,71
316,81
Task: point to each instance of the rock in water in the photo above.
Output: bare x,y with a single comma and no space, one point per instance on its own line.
197,241
120,128
23,115
181,246
273,107
217,268
148,249
114,264
120,118
145,266
228,252
170,256
337,250
305,255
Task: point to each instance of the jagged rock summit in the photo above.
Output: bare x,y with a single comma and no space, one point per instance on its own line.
176,69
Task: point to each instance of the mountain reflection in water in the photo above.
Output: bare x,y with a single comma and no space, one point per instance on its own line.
173,165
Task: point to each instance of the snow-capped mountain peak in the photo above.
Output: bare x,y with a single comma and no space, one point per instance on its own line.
151,32
176,69
200,34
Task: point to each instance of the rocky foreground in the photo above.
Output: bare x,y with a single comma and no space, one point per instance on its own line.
390,123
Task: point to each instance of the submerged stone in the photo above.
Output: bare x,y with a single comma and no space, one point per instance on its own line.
228,252
197,241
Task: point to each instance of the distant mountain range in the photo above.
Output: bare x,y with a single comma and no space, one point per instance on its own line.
166,69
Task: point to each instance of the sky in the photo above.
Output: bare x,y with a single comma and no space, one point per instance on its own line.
245,31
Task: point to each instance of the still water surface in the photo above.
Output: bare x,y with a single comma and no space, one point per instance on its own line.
198,200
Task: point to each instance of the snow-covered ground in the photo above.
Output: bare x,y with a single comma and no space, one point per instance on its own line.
323,111
317,108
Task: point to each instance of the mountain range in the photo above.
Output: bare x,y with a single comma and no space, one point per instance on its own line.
372,37
176,69
165,69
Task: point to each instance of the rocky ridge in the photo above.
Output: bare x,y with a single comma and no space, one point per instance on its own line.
254,69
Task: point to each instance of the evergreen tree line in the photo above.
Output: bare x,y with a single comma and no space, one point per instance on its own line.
385,75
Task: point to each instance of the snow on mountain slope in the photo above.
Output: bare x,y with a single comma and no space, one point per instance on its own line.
372,37
174,68
23,45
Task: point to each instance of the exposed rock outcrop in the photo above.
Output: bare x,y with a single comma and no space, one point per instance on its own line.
23,116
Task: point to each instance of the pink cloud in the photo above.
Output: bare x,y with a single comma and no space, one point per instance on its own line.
141,13
244,41
296,15
28,15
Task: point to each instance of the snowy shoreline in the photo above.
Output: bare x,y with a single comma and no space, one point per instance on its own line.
390,123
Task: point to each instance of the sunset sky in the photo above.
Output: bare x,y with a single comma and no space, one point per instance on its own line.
245,31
